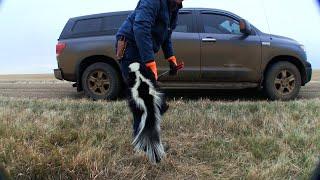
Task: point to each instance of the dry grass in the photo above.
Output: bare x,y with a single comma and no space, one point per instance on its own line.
69,139
316,75
27,77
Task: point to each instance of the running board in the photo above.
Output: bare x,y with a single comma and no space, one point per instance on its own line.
195,85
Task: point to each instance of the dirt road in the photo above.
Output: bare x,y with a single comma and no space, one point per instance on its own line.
45,86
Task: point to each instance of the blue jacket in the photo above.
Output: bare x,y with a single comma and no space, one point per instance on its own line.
150,27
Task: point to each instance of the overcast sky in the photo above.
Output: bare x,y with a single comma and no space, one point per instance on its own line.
29,29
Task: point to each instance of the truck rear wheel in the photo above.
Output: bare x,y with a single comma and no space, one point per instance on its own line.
101,81
282,81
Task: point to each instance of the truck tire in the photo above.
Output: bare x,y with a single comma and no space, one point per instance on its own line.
282,81
101,81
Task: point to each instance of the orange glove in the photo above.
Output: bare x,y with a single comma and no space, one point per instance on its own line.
172,59
173,65
153,67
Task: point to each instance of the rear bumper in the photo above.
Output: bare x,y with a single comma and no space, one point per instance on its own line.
58,74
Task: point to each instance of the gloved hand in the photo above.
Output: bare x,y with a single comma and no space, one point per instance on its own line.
153,67
173,66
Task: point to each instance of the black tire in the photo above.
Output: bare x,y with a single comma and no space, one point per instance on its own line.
282,81
98,88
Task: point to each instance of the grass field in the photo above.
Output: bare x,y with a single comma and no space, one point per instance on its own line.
69,139
316,75
27,77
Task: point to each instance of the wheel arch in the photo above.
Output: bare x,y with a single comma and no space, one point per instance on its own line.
285,58
86,62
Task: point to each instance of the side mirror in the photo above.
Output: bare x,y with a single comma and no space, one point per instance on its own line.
245,27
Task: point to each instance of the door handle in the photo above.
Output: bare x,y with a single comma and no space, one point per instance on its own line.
208,39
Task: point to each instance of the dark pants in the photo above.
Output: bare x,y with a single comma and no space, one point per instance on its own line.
131,55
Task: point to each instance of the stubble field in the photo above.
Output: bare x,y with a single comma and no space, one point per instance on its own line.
75,138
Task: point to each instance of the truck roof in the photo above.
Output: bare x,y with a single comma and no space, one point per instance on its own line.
70,30
126,12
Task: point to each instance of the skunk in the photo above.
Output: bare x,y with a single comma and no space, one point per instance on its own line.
146,101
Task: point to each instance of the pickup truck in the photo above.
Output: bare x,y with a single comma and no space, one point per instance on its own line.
220,50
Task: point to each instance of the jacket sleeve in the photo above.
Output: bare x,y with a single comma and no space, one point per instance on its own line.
167,47
146,14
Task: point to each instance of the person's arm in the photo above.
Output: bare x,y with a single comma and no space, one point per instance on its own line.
167,47
146,14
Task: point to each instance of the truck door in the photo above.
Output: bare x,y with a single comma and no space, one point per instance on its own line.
227,55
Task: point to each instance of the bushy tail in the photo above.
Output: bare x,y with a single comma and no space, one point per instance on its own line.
149,141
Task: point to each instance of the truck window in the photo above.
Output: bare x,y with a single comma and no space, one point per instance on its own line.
113,22
87,26
184,23
220,24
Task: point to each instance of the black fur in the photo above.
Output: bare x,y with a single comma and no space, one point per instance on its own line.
148,139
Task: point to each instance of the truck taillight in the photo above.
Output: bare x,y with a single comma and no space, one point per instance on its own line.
60,47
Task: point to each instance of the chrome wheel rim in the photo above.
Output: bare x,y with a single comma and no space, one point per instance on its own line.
285,82
99,82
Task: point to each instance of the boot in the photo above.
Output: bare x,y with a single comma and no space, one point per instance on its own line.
164,108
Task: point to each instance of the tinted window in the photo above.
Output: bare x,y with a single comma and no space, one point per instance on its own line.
184,23
219,24
113,22
87,25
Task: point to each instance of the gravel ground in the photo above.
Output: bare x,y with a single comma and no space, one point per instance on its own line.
45,86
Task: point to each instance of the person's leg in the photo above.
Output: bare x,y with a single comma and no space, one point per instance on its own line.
137,114
131,55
